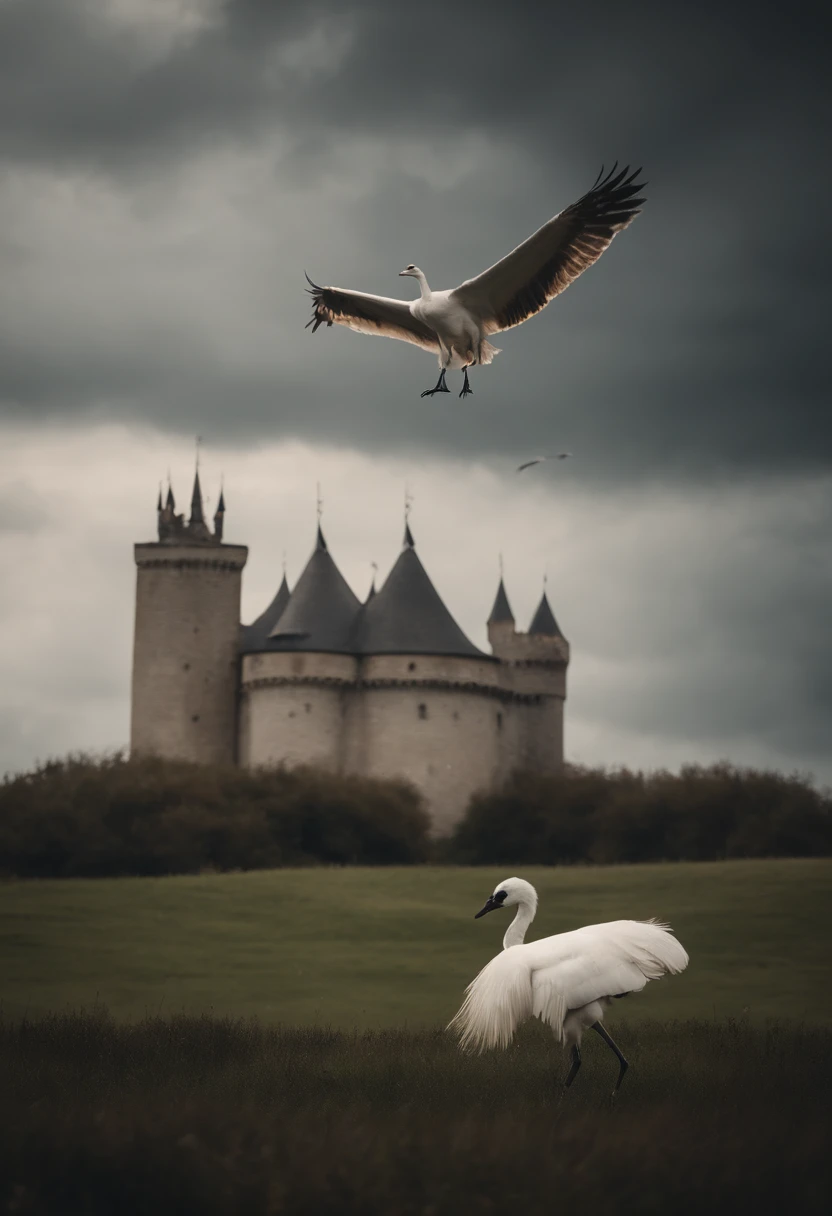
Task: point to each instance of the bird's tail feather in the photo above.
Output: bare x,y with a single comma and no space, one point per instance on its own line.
495,1003
655,950
487,352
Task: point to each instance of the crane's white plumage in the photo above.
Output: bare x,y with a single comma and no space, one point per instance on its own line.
567,980
455,324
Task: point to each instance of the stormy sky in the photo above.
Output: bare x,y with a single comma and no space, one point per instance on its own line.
169,169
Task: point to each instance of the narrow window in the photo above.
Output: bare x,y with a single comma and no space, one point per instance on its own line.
499,721
423,711
411,667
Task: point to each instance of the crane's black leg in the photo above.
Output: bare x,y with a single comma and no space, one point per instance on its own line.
441,386
467,391
611,1043
576,1064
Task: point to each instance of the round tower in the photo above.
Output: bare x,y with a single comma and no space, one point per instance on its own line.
186,638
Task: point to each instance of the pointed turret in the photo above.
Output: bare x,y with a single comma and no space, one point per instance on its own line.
255,636
501,613
197,516
500,624
543,622
169,525
219,516
322,608
407,616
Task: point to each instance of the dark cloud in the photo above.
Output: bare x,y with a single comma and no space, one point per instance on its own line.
694,348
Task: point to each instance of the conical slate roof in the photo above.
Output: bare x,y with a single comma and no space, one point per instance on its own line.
321,611
256,635
196,502
407,615
544,623
501,612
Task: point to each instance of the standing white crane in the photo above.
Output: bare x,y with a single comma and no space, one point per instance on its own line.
568,980
454,324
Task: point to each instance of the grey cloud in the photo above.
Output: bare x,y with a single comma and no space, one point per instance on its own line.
352,142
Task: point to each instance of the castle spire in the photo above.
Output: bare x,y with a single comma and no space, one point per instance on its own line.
543,622
501,613
197,516
219,515
408,542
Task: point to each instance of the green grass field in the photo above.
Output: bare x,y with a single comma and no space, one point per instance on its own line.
393,947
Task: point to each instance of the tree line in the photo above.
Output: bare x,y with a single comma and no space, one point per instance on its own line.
92,817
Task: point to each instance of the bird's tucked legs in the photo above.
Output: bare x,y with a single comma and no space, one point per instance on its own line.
467,391
441,386
611,1043
576,1064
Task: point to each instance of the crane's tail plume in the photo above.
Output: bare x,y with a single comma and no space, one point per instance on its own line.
496,1002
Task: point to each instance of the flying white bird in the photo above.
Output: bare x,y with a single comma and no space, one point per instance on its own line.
539,460
568,980
454,324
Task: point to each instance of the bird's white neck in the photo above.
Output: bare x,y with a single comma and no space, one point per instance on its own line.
423,285
516,932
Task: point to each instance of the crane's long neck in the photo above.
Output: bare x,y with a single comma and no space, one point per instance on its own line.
516,932
423,285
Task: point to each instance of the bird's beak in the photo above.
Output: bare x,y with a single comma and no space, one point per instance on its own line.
402,274
490,905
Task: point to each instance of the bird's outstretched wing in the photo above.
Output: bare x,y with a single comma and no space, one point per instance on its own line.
524,282
368,315
540,459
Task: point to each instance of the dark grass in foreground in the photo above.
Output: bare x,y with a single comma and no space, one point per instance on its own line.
215,1116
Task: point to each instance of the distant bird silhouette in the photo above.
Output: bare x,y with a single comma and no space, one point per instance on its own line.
454,324
568,980
539,460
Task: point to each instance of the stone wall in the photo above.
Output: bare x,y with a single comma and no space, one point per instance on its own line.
185,648
451,726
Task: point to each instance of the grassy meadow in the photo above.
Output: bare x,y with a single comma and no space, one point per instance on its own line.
271,1042
224,1118
372,948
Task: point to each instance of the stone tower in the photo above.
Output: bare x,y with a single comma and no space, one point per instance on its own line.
537,663
186,639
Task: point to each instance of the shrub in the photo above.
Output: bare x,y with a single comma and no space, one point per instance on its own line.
605,816
84,816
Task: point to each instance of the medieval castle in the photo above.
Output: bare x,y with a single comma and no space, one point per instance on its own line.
390,687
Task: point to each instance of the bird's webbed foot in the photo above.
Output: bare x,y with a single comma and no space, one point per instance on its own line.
439,387
467,391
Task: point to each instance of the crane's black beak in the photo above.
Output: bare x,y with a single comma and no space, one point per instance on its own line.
490,905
